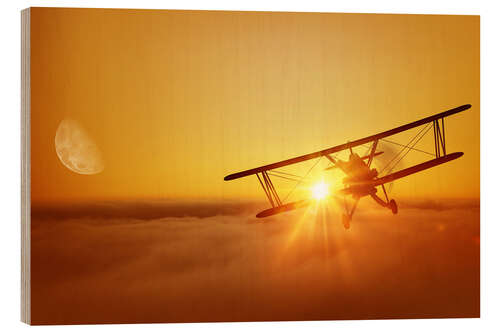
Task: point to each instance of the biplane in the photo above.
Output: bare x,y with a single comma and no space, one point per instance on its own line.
361,180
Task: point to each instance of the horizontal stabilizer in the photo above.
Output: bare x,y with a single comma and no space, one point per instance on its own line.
363,158
283,208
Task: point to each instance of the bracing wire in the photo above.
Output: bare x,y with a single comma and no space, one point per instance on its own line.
401,158
299,182
283,177
426,128
401,145
285,173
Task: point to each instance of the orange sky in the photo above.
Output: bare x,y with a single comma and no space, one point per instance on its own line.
176,100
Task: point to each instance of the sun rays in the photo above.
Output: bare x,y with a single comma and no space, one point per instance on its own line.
320,190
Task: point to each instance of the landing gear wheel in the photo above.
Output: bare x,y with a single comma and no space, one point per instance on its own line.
393,206
346,221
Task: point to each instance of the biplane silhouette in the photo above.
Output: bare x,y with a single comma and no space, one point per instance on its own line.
360,179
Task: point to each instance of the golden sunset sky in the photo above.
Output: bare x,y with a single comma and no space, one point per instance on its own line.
176,100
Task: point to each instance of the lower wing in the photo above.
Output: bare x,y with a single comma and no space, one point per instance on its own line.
416,168
283,208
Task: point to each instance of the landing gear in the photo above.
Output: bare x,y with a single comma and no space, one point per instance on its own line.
346,221
393,206
347,216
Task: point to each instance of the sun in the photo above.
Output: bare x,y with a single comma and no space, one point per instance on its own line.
319,190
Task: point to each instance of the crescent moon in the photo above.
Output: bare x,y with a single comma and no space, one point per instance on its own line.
76,149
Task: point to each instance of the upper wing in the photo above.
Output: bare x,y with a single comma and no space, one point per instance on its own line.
347,145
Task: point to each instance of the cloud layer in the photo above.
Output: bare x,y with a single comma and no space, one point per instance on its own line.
121,265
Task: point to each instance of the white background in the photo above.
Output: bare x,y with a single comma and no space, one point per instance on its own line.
490,163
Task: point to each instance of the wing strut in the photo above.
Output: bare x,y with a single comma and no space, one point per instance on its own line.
439,138
269,189
372,152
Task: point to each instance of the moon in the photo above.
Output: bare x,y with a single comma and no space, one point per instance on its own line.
76,149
